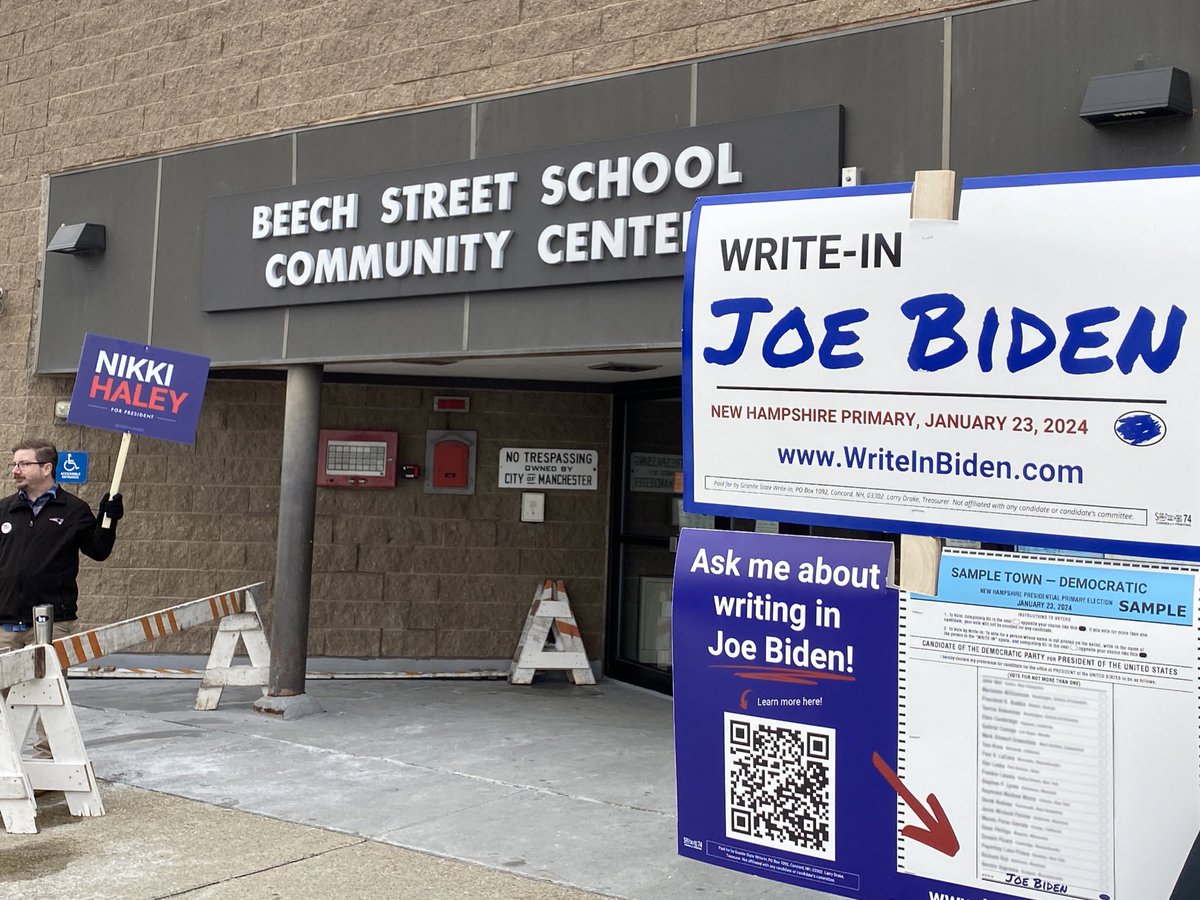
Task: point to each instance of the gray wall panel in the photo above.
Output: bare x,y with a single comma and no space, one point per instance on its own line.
106,293
384,145
626,314
633,313
419,325
593,111
1019,75
188,181
889,80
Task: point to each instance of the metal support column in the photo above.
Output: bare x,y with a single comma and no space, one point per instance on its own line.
294,547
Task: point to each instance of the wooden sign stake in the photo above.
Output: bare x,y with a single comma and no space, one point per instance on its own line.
932,198
118,470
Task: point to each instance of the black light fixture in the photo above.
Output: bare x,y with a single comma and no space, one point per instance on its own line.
1142,94
82,238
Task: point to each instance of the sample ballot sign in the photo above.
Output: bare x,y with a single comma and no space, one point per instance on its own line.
997,377
1030,732
785,668
1053,705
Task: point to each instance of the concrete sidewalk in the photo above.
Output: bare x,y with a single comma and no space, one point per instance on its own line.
151,845
550,787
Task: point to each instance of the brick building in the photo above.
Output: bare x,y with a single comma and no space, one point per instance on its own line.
168,122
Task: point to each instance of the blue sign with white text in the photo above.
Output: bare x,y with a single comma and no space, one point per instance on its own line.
785,671
131,387
72,467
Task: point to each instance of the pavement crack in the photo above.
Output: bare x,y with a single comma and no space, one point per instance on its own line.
259,871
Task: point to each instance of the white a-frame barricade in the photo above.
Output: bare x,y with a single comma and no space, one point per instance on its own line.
37,690
36,687
550,620
237,612
244,626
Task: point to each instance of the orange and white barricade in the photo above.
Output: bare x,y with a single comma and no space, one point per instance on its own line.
244,626
237,612
550,621
37,690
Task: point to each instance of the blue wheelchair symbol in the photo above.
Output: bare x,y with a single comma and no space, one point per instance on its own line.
72,467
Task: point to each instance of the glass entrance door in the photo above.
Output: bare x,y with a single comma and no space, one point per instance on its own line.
647,515
648,455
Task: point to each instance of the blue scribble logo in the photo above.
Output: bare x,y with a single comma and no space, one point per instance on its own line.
1140,428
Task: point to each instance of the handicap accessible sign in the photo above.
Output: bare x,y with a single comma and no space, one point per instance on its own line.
132,387
72,467
786,679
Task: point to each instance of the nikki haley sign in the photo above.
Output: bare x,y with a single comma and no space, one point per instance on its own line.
136,388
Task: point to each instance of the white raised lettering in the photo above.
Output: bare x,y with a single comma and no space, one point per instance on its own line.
261,224
552,181
550,233
643,180
275,269
393,209
704,170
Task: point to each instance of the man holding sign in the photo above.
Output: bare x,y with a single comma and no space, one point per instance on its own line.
43,529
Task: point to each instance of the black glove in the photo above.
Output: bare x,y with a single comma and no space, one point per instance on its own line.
111,507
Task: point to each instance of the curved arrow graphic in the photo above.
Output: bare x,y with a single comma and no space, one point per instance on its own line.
937,833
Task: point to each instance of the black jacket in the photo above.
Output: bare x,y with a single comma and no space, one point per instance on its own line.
39,555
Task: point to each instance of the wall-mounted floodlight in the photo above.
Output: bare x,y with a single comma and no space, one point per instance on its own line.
82,238
1130,96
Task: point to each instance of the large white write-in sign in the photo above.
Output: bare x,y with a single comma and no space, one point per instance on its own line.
1029,369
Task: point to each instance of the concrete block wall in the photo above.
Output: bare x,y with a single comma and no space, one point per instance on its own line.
99,81
397,572
94,81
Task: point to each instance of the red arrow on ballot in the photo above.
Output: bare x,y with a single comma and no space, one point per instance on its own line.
937,833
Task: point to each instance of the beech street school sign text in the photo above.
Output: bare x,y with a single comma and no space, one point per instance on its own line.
605,211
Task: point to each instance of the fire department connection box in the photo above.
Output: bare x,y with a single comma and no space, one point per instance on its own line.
356,459
450,462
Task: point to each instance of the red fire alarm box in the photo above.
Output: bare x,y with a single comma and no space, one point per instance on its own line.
356,458
450,462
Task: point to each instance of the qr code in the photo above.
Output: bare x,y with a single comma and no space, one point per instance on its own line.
780,784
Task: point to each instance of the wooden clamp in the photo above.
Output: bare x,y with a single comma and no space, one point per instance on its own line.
550,619
932,198
35,689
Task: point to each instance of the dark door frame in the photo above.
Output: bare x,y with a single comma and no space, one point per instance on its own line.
615,666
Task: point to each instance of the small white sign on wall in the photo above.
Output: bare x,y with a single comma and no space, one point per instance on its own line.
548,469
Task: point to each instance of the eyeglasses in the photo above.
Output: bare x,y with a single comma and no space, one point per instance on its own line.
26,463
